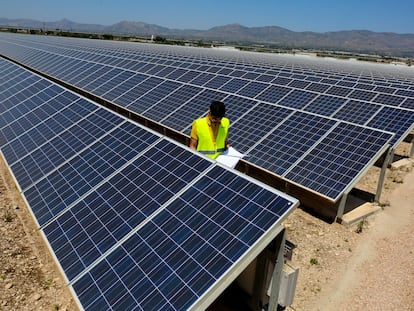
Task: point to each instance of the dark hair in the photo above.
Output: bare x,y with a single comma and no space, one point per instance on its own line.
217,109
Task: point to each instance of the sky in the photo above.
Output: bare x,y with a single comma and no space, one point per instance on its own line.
296,15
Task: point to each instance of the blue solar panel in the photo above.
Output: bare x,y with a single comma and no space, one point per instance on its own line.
255,125
338,91
397,121
154,95
173,101
293,84
290,141
273,94
357,111
387,99
297,99
234,85
108,214
324,173
172,261
78,175
197,107
217,82
252,89
325,105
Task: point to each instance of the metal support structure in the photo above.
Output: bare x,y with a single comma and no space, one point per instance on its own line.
341,207
387,161
277,274
412,148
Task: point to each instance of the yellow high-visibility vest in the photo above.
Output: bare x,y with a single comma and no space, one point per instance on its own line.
205,143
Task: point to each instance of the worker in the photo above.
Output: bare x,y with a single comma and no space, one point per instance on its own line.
209,134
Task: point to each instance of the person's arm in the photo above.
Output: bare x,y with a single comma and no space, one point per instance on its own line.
193,143
193,139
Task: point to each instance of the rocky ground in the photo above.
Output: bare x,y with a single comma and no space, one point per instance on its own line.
366,266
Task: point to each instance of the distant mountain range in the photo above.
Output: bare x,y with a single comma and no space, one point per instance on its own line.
356,41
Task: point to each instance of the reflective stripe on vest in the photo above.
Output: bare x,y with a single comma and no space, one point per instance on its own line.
205,143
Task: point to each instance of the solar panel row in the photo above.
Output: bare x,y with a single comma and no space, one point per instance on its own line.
172,87
135,220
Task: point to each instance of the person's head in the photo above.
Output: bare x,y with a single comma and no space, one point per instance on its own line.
217,111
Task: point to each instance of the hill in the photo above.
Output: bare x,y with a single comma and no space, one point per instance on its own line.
355,41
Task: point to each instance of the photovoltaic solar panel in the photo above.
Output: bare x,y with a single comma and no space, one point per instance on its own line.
289,141
306,85
256,125
328,174
171,261
357,111
133,219
325,105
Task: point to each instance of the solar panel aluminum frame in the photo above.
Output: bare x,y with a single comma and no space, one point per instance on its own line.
231,274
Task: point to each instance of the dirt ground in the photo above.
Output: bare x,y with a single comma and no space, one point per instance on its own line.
365,266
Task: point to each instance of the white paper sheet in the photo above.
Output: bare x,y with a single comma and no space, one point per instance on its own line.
230,158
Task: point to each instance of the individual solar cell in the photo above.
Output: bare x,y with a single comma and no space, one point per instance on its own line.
265,78
183,117
172,261
388,99
384,89
329,81
172,102
408,103
273,94
338,159
297,99
300,84
363,86
338,91
224,71
408,93
395,120
348,84
254,126
281,81
61,148
325,105
109,213
318,87
357,112
250,75
153,96
362,95
313,79
286,144
237,73
234,85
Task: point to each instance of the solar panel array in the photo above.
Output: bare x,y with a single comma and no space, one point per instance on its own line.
135,220
265,96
